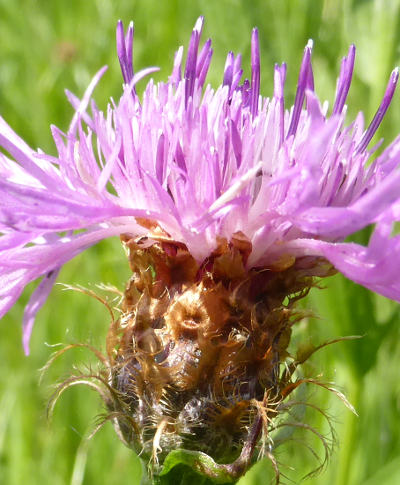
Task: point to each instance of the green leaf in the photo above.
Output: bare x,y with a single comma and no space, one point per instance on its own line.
193,467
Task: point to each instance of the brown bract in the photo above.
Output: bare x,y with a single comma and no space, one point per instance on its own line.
197,354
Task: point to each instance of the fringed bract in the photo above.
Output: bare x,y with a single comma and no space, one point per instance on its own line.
197,355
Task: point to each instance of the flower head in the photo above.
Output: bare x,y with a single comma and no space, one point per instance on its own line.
191,165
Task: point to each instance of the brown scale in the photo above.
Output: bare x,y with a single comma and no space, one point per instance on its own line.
198,348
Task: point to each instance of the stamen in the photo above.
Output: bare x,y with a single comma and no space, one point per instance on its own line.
129,49
160,156
344,81
232,72
204,69
203,56
255,72
228,70
124,50
191,61
203,62
279,85
387,98
303,83
310,78
176,74
245,88
237,66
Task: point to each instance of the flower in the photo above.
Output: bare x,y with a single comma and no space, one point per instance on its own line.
196,165
228,205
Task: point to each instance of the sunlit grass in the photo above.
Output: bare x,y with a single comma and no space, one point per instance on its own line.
46,47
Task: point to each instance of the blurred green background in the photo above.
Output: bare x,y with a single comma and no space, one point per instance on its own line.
47,46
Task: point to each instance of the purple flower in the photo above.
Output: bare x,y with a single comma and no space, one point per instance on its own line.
194,165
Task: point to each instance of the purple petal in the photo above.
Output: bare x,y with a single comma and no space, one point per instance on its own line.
344,81
387,98
302,84
36,301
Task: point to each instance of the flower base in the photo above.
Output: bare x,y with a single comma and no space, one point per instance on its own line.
198,355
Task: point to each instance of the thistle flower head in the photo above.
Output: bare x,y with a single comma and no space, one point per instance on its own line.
193,165
228,203
200,164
